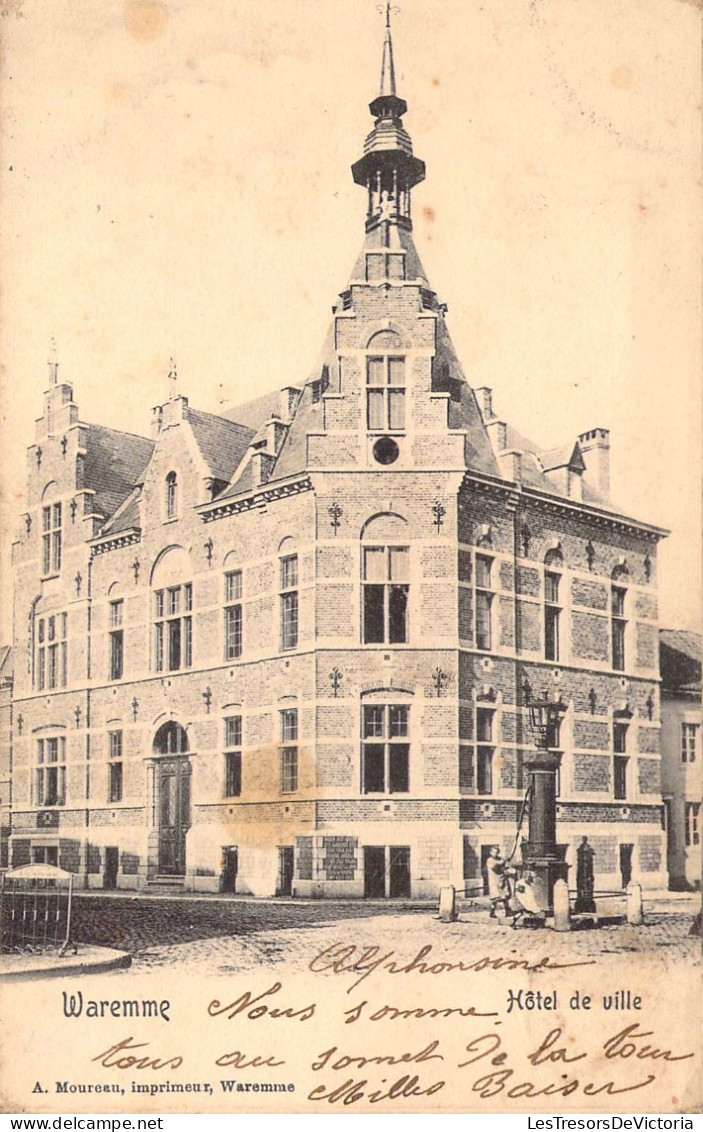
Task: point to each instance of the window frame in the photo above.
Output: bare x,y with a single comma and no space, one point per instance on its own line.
116,658
485,749
552,613
390,734
288,750
51,651
232,750
689,741
233,615
171,496
289,602
618,627
388,393
173,627
484,593
52,539
50,772
115,783
395,597
692,833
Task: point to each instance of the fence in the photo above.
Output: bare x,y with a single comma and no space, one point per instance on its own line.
35,909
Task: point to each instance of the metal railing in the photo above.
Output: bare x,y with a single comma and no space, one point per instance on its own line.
35,909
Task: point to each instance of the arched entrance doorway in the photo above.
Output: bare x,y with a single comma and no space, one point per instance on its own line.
172,788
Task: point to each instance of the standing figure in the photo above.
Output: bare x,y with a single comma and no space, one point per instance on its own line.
498,884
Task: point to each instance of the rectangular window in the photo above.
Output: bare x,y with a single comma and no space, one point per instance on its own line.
385,394
484,600
289,751
692,815
51,660
115,784
51,539
552,610
233,756
173,628
289,602
484,750
466,770
114,788
51,772
689,742
618,627
620,777
386,586
385,755
233,614
116,640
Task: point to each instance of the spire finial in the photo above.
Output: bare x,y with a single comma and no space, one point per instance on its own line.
173,381
53,362
387,65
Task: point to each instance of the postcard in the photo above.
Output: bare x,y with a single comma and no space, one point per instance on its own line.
350,728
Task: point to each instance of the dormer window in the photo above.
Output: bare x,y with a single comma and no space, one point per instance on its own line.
385,394
171,495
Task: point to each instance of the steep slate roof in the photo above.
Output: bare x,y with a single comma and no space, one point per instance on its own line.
252,414
680,660
222,442
115,461
126,517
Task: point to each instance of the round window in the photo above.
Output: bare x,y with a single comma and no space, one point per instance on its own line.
385,450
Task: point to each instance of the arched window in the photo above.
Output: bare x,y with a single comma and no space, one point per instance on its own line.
385,384
171,495
171,739
553,566
173,611
385,581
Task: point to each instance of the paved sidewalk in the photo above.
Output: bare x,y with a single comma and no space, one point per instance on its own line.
49,964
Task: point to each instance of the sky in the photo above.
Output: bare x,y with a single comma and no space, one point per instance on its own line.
175,183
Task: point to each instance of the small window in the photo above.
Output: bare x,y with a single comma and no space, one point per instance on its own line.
233,756
289,751
386,586
51,539
385,730
51,772
484,601
233,614
692,815
620,777
171,495
289,602
689,742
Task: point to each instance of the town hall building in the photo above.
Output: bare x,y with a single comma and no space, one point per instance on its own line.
288,649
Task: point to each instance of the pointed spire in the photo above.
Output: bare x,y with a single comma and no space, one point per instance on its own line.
387,86
53,362
172,381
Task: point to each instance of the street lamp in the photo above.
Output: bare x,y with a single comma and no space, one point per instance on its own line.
541,854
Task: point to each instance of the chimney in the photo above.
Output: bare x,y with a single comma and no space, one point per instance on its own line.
498,434
484,396
261,464
510,462
275,435
595,449
289,399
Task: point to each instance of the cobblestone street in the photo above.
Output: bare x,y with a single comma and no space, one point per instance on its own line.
211,936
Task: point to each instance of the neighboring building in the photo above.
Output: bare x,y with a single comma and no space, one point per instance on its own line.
288,648
5,749
680,661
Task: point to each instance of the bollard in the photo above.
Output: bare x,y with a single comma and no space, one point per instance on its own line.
562,912
634,904
447,905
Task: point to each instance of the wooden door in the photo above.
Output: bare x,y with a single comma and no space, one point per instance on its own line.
399,870
374,871
174,814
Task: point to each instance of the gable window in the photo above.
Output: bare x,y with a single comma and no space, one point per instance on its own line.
51,661
484,601
385,394
689,742
51,539
173,627
618,626
233,614
233,756
386,588
289,751
385,765
692,813
484,750
116,640
620,761
171,495
289,602
51,772
115,771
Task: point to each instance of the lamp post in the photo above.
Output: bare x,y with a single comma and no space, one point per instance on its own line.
541,854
